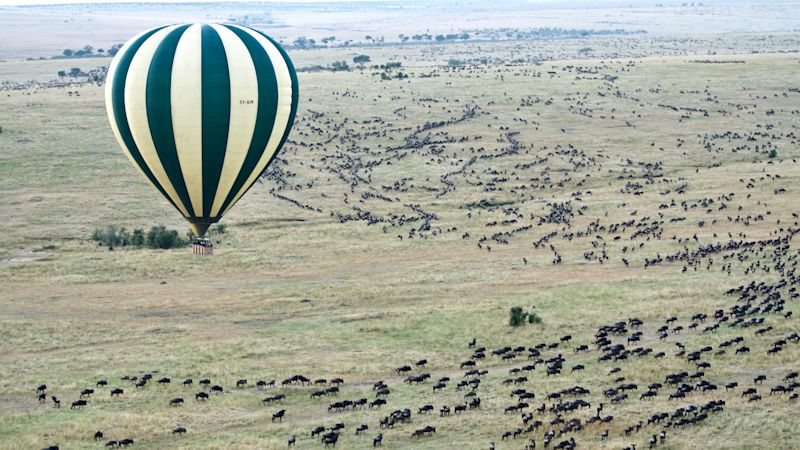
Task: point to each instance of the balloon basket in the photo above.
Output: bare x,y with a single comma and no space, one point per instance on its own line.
203,246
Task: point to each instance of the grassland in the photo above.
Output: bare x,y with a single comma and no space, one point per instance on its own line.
294,290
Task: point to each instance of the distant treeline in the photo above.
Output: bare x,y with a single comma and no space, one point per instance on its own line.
86,52
485,34
550,33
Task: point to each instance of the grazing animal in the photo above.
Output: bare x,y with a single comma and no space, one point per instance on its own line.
377,440
179,430
201,396
278,415
176,401
78,404
98,435
292,441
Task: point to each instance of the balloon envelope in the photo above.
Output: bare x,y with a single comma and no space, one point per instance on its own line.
201,110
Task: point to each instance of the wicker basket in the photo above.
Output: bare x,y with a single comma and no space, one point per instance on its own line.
203,246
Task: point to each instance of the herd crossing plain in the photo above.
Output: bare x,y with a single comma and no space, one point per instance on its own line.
636,195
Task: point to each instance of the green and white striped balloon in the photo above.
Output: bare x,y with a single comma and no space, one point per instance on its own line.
201,110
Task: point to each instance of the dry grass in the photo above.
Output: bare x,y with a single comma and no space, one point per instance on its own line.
72,313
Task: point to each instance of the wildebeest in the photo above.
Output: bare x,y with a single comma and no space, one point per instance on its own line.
78,404
426,431
278,415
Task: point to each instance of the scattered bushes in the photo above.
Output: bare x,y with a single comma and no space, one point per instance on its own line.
158,237
518,317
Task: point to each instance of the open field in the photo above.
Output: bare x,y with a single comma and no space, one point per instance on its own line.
404,218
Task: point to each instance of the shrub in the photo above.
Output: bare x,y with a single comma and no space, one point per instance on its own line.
159,237
773,153
517,316
137,238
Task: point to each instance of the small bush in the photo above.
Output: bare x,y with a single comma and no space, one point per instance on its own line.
773,153
137,238
161,237
517,317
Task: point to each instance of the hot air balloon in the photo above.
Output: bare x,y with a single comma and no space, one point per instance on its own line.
201,110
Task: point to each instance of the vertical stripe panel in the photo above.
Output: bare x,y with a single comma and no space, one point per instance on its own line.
267,106
283,110
216,112
115,107
187,122
136,110
244,108
159,110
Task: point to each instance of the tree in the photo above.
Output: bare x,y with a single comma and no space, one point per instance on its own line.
361,59
75,71
301,42
62,74
440,38
114,49
68,53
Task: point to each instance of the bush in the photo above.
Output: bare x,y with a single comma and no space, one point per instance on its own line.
159,237
137,238
517,317
773,153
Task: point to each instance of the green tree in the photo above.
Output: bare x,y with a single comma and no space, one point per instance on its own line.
114,49
68,53
62,74
361,60
75,71
301,42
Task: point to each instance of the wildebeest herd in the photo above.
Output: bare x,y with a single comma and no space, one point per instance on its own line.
596,164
